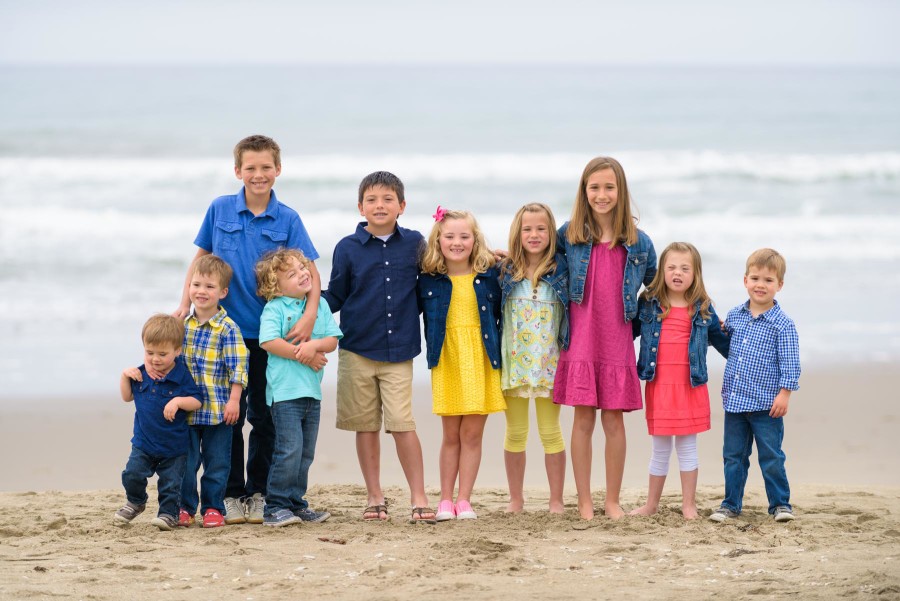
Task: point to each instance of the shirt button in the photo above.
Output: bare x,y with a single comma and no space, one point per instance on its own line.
387,262
656,333
389,314
387,279
389,298
384,246
477,281
635,261
485,336
627,297
390,332
495,363
653,349
534,297
429,293
627,281
652,363
482,308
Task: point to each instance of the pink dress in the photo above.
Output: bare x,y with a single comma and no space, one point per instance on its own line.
599,368
674,407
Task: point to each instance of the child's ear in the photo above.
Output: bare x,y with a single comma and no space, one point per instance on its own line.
402,207
237,172
223,294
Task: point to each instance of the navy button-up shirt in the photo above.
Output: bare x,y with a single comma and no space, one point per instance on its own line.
373,285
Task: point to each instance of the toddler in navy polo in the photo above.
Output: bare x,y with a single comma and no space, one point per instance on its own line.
160,442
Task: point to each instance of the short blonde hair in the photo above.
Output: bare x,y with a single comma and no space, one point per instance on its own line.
767,258
257,143
433,261
214,266
163,329
268,267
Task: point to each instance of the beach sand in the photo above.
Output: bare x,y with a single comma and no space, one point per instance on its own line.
62,466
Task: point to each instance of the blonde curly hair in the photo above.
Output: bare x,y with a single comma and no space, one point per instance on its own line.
268,267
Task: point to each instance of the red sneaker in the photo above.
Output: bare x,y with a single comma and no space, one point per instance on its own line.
184,518
213,519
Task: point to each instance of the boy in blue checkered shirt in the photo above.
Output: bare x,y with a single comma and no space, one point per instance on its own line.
763,369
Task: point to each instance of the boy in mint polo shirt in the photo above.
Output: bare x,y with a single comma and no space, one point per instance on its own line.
294,375
241,228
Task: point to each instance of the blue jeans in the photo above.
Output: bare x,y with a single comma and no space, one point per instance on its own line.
740,431
262,432
296,430
211,446
169,471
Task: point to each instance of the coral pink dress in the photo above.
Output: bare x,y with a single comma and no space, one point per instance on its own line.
599,368
674,407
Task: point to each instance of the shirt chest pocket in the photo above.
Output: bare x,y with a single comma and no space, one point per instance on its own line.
227,235
272,239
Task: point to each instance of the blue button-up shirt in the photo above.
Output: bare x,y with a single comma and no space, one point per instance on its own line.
763,358
153,433
231,231
373,285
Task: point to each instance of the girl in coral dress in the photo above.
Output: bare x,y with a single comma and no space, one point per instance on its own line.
676,322
459,293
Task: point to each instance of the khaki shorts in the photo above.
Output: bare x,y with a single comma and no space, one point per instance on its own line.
368,389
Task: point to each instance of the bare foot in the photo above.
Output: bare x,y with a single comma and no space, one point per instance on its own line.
557,507
690,512
643,510
614,512
586,510
515,507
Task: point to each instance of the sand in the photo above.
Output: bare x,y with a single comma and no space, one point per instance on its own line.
63,459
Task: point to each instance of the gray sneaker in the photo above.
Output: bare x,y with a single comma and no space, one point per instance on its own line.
128,512
164,522
282,517
309,515
234,511
784,514
721,514
255,506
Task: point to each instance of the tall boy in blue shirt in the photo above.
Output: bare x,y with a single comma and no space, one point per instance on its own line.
241,228
763,369
373,285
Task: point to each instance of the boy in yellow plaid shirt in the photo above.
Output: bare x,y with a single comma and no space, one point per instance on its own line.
217,358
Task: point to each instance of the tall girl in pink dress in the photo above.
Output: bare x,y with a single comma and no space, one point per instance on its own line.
609,259
676,322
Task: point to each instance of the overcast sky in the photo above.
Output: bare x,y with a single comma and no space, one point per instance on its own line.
781,32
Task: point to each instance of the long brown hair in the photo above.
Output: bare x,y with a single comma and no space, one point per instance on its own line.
695,293
515,264
583,228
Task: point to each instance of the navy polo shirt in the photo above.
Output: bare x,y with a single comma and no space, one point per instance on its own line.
153,433
373,285
231,231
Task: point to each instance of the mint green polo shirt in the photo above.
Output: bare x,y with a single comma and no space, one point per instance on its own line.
288,379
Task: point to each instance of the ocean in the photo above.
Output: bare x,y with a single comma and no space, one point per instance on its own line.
106,172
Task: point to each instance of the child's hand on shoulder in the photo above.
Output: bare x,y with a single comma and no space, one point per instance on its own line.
133,373
170,410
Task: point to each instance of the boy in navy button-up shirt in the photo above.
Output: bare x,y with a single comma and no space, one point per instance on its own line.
160,442
373,285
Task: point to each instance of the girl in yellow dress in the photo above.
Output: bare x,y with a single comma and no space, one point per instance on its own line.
459,292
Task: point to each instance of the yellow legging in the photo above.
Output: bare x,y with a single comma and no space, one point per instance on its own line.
547,420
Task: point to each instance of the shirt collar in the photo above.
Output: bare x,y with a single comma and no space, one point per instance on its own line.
289,301
363,235
215,320
271,208
173,375
770,315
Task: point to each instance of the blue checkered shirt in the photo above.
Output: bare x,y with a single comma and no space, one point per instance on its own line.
763,358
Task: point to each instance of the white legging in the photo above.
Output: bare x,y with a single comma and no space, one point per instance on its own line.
685,447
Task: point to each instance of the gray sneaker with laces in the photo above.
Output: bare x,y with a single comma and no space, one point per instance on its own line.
128,512
784,514
282,517
309,515
234,511
255,507
721,514
164,522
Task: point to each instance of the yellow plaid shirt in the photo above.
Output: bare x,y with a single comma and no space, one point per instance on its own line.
217,358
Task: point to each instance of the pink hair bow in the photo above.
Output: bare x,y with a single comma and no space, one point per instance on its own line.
439,214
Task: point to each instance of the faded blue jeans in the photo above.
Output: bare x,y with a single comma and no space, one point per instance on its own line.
296,431
211,447
741,429
169,471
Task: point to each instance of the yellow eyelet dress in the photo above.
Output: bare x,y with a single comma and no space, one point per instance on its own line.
463,382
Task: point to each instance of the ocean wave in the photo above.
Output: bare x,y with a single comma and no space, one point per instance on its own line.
499,168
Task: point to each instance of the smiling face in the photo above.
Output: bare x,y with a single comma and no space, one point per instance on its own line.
535,234
762,284
602,193
258,172
678,271
205,292
294,280
381,207
457,241
161,356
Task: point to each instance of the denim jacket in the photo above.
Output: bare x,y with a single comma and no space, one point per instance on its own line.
704,332
558,279
434,300
640,267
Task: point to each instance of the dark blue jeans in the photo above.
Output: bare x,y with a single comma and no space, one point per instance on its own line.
211,447
740,431
169,471
261,441
296,430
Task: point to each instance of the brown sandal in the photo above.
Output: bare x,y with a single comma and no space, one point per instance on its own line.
419,513
377,510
